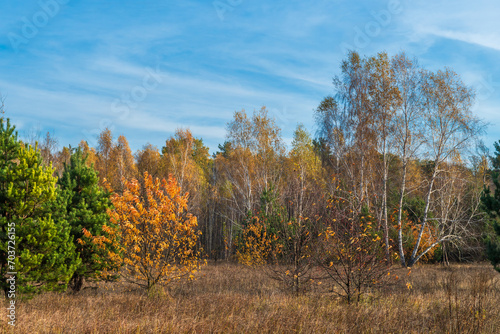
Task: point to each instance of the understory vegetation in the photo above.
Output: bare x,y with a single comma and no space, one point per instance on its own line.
382,221
231,298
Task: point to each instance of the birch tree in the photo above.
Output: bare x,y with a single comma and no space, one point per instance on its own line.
450,129
408,136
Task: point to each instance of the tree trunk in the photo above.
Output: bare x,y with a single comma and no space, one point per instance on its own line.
414,257
384,208
400,217
76,282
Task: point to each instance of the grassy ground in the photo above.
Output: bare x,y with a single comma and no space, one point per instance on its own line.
229,298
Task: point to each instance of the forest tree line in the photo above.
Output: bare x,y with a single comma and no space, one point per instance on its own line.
395,157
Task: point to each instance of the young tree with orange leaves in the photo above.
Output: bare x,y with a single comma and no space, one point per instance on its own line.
159,236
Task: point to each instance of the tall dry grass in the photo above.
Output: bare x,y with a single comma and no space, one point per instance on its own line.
229,298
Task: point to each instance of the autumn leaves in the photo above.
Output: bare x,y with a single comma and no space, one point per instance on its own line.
158,235
383,180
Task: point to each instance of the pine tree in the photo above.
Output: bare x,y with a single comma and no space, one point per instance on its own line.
93,233
491,204
42,254
493,246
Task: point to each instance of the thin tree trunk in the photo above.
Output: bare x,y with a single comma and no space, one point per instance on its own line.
384,208
400,217
414,257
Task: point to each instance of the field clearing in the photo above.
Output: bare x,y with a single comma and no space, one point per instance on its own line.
230,298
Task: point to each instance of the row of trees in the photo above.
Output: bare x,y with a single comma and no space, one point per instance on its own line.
398,134
390,169
60,231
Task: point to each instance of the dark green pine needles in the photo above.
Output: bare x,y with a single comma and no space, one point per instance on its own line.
87,205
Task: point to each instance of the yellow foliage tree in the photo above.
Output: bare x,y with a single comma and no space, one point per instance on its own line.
159,236
149,160
256,245
123,163
114,161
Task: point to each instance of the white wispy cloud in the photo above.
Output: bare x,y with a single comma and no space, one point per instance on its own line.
280,54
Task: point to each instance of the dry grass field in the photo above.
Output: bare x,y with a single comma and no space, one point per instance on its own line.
229,298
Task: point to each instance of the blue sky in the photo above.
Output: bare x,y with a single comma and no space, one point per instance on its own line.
146,68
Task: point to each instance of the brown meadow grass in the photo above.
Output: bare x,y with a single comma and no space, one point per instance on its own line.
230,298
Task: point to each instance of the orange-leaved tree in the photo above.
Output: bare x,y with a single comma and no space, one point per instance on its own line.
159,236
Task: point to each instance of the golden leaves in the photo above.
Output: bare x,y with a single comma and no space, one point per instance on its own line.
255,245
157,233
